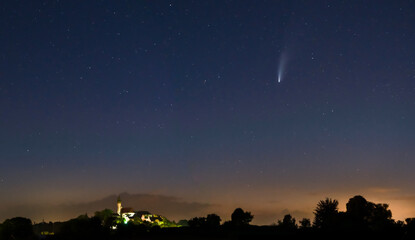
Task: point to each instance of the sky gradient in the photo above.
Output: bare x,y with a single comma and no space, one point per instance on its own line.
265,105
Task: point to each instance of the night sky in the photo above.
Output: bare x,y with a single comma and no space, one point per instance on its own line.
265,105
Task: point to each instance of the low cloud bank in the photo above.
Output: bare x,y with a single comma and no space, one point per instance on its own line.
169,206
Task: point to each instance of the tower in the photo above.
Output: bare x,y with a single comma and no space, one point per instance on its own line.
119,206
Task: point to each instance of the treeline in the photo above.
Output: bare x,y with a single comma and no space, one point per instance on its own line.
361,220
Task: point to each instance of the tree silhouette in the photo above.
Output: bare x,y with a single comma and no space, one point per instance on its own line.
183,223
287,223
239,217
410,228
17,229
83,227
357,207
380,217
357,213
305,223
197,222
106,216
365,214
326,213
213,220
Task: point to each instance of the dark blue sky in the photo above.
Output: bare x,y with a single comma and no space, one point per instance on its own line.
181,98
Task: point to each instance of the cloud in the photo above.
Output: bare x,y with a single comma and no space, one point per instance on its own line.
171,207
410,198
383,190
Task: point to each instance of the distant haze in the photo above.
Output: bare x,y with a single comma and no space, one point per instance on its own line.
176,209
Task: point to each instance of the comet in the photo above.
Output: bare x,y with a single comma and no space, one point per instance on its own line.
281,67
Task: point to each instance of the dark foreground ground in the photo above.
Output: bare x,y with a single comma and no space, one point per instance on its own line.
247,232
85,228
